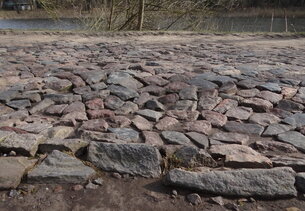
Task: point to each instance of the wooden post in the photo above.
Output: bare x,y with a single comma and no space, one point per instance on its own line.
286,21
272,19
141,14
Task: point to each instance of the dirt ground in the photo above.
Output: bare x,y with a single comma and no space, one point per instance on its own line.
139,193
127,194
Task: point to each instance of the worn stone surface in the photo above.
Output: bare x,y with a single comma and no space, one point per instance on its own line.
297,164
274,146
242,113
291,106
167,123
123,92
95,125
240,156
59,167
257,104
245,128
296,120
61,132
300,182
183,115
23,144
225,105
126,134
268,183
215,118
191,157
126,158
12,170
136,91
275,129
173,137
270,96
198,139
294,138
230,138
208,103
35,127
152,138
264,119
150,114
141,123
73,145
199,126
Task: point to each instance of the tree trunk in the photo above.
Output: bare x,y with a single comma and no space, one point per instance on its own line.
141,14
111,15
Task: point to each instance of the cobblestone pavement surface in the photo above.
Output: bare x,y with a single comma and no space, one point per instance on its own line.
214,114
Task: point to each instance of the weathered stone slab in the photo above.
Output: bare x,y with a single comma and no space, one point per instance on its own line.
264,119
289,105
173,137
150,114
135,159
275,129
190,157
19,104
35,127
61,168
123,92
123,79
242,113
141,123
272,87
297,164
23,144
230,138
294,138
208,103
63,98
300,182
5,134
167,123
199,126
257,104
240,156
245,128
268,183
127,134
215,118
72,145
296,120
152,138
183,115
274,146
12,170
199,139
42,105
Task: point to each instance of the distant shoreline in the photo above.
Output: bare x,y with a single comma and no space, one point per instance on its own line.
248,12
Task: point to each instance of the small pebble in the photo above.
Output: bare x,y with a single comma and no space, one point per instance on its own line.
77,187
98,181
13,193
116,175
194,199
58,189
92,186
12,153
232,206
217,200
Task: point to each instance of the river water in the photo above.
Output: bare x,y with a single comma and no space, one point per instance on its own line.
218,24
